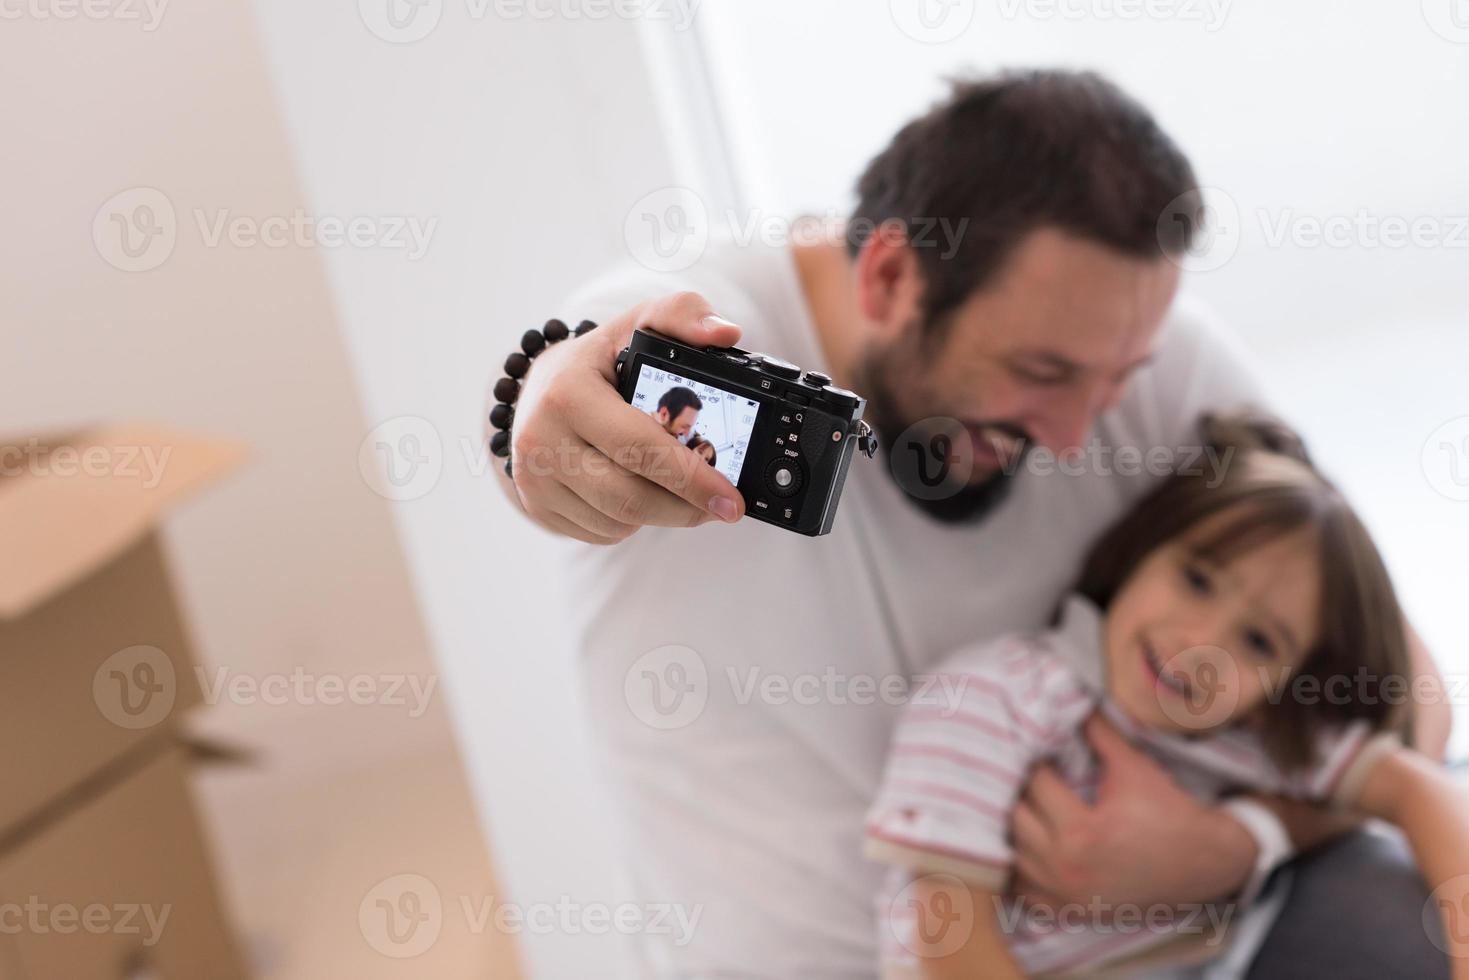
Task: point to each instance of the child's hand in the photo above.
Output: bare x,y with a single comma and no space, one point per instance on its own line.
1146,841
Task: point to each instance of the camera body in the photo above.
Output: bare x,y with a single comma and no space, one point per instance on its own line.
784,437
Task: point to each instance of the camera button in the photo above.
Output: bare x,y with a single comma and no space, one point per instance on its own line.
779,368
783,477
818,379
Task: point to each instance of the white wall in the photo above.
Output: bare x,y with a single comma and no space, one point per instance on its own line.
527,140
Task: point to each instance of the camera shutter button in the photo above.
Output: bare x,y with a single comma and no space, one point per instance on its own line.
777,367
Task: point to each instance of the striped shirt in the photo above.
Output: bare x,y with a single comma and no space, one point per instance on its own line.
959,760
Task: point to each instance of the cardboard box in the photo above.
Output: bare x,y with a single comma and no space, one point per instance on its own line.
94,656
118,887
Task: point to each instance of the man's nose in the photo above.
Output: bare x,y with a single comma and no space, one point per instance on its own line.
1070,416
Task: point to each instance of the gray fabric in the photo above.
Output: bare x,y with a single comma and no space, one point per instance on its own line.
1355,910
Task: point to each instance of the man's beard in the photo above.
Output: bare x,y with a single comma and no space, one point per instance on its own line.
877,378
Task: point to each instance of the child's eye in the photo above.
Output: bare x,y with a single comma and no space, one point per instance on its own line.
1197,578
1260,643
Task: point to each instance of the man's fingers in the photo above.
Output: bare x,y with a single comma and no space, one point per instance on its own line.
1052,801
1029,831
630,499
1122,762
635,442
686,317
566,502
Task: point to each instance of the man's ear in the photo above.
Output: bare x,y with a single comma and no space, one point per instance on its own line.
889,281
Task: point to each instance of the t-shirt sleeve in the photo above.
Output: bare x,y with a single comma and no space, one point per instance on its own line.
959,758
1345,758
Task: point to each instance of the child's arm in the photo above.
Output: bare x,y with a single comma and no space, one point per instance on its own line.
971,944
1418,796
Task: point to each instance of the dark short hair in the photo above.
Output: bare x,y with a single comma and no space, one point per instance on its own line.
1269,487
677,399
1015,152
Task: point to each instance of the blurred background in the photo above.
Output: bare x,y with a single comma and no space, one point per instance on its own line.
315,229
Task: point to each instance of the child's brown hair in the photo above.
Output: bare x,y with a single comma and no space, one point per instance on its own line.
1269,487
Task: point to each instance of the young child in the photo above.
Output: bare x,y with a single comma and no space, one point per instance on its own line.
1206,627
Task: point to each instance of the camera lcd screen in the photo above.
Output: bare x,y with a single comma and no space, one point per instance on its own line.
711,422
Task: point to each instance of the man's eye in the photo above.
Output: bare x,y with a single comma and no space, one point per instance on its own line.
1261,644
1036,376
1197,579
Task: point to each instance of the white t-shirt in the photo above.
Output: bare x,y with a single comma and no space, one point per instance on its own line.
743,681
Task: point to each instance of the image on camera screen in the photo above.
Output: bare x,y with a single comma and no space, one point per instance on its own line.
713,423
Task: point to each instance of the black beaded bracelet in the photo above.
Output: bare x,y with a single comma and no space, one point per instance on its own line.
507,389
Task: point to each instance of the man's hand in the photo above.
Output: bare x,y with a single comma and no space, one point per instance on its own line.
587,464
1145,842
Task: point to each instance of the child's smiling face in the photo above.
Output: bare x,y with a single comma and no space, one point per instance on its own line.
1192,645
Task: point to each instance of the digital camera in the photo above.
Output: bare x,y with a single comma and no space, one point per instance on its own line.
783,436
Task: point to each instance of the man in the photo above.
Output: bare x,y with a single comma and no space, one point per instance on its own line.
744,745
677,412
